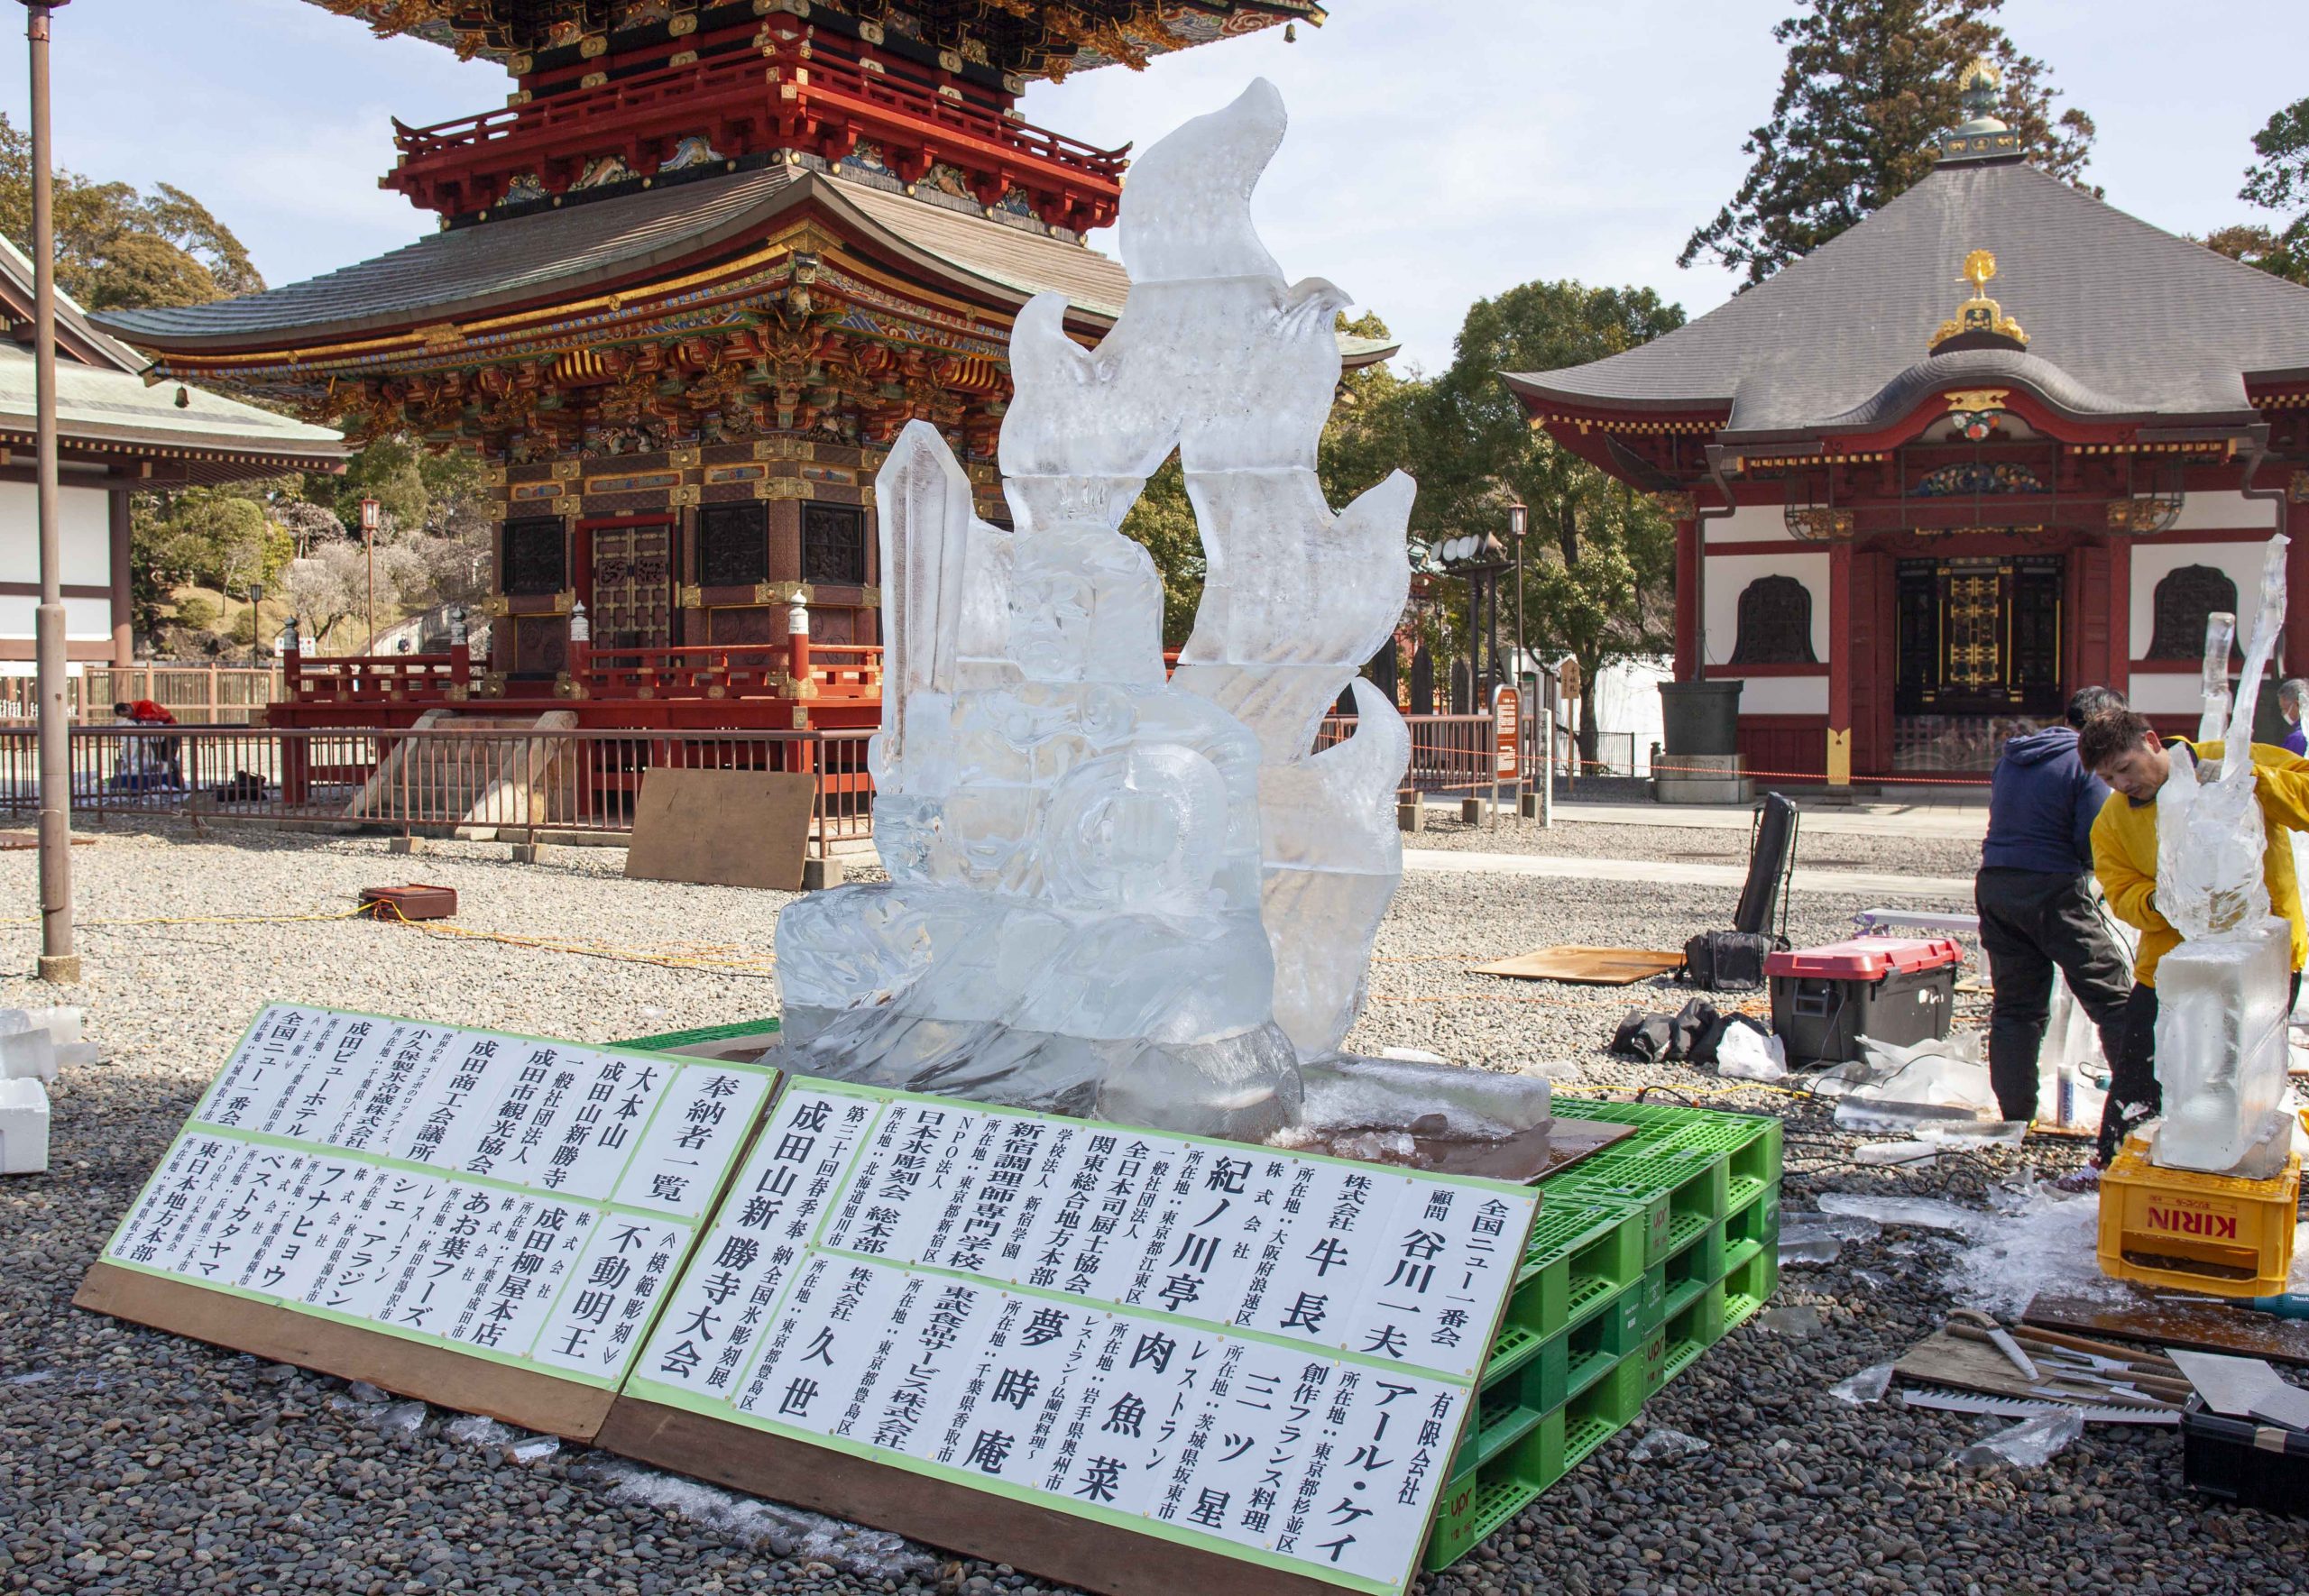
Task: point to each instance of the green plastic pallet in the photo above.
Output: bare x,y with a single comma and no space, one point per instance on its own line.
1643,1256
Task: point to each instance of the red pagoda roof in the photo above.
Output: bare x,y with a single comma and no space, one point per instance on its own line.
1015,37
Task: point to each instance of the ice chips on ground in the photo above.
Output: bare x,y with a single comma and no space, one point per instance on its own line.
768,1527
1930,1213
1661,1444
1344,1093
2029,1445
1864,1389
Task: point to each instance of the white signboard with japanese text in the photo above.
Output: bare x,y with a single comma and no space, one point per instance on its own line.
512,1199
1266,1355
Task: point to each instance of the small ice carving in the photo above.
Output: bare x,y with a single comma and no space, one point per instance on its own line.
1112,893
2029,1445
2222,1042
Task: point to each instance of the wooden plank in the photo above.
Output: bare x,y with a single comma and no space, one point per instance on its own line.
531,1399
1586,966
1054,1547
2200,1326
722,828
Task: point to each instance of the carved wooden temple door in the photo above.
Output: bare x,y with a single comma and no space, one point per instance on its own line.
633,602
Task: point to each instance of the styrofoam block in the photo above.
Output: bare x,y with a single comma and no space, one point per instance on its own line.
24,1127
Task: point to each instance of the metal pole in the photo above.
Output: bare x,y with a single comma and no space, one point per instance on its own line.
369,542
58,962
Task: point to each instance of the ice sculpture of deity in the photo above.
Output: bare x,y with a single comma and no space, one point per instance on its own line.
1113,892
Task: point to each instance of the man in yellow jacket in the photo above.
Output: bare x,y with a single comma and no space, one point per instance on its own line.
2121,748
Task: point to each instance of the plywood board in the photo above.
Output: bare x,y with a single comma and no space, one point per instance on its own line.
2137,1317
722,828
523,1397
994,1528
1585,966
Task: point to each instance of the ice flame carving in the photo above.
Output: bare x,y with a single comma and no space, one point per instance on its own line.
1112,893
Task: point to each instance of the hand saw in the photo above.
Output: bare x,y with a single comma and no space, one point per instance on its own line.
1954,1402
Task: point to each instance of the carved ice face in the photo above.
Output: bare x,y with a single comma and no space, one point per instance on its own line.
1086,606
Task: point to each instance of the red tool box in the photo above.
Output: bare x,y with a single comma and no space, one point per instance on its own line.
1895,989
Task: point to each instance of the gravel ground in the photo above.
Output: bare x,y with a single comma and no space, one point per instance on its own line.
135,1461
1695,844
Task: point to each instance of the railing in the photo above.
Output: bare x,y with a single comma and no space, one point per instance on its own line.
727,670
529,782
379,678
212,695
779,93
1449,753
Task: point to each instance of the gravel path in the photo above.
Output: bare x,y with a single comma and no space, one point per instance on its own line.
135,1461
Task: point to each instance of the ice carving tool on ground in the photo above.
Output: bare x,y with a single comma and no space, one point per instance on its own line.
2284,1305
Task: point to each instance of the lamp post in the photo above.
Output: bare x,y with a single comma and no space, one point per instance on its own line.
369,512
1519,522
256,623
58,961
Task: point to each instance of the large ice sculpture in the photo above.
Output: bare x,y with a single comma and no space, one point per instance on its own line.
2220,1018
1112,893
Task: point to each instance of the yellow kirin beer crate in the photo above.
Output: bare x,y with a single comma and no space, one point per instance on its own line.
2201,1233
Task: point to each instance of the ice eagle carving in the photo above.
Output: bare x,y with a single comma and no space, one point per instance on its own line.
1114,892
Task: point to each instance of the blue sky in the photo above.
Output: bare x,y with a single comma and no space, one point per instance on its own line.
1438,152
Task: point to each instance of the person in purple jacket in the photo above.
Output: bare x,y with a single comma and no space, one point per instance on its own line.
2291,694
2038,914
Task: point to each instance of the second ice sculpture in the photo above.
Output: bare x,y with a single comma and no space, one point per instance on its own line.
1111,892
2221,1019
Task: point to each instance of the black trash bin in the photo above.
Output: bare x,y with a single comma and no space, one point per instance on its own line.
1700,717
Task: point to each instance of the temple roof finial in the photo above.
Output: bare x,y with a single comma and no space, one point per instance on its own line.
1983,135
1980,322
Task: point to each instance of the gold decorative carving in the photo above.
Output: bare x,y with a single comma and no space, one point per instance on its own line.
1817,524
1980,313
2297,489
564,601
442,334
684,459
521,66
494,475
870,597
1977,398
780,448
458,693
497,606
715,690
593,79
686,494
685,58
782,488
764,593
592,45
572,507
566,470
805,689
692,597
801,718
683,26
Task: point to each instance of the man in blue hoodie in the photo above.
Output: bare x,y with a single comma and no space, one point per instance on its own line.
2034,892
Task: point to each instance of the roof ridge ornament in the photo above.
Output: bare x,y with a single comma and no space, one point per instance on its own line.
1980,322
1983,135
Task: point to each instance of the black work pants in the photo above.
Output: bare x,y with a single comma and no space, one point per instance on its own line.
2032,924
2135,1097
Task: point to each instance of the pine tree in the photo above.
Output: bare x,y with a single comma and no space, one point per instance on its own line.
1869,87
2277,182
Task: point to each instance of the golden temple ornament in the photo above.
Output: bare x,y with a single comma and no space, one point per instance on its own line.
1980,313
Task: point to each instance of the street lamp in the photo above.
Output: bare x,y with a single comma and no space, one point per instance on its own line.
370,510
58,961
256,621
1519,522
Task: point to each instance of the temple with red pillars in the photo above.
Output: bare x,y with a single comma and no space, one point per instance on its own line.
1997,442
689,283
